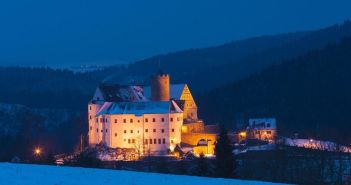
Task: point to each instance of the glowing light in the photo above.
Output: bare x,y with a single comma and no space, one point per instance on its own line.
37,151
184,129
171,148
242,134
311,140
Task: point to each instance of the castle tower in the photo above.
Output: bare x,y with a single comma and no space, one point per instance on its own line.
160,87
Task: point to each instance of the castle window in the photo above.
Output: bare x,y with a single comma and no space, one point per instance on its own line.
146,141
131,120
91,128
171,119
89,107
97,120
146,130
101,120
89,117
128,140
155,141
125,131
133,140
154,130
150,141
115,134
172,129
102,131
97,130
159,141
131,131
153,120
163,130
138,131
146,120
115,120
172,141
269,132
124,140
163,119
164,141
106,130
124,120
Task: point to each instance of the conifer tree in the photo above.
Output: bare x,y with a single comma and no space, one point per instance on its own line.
225,162
202,167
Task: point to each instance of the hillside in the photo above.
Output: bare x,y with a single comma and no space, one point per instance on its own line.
62,89
309,95
56,130
236,60
40,174
46,88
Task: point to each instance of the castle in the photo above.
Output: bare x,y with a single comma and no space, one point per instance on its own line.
153,120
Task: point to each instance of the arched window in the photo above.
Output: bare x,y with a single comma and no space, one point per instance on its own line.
202,142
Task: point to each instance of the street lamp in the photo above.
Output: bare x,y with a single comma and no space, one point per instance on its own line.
37,151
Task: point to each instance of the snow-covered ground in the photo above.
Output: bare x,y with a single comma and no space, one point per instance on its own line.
18,174
316,144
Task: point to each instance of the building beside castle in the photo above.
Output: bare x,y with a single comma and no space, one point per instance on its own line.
153,120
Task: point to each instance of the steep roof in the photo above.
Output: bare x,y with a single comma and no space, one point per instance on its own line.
118,93
176,91
139,108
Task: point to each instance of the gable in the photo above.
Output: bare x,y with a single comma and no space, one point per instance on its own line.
186,95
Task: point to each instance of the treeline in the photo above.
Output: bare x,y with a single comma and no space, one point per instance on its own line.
202,69
23,129
309,95
46,88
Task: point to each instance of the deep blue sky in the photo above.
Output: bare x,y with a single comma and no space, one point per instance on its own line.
65,32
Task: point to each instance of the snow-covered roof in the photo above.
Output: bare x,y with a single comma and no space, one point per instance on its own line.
139,108
176,91
263,123
118,93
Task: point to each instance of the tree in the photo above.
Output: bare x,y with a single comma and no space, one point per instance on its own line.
225,162
202,166
50,159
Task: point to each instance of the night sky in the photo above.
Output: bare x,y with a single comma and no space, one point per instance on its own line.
70,32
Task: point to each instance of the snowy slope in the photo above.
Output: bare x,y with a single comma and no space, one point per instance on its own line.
52,175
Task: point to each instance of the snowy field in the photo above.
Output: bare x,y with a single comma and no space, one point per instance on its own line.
18,174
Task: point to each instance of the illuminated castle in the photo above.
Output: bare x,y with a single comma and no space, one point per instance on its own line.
152,120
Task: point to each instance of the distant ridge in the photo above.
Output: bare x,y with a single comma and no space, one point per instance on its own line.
235,60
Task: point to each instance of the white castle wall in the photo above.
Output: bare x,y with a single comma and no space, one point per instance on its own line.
94,129
138,132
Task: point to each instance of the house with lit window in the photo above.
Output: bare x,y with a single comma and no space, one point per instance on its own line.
262,129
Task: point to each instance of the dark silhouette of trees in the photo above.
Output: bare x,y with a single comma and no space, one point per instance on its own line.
309,95
202,166
225,162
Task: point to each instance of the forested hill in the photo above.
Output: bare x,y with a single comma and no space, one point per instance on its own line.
202,69
45,88
211,67
309,95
